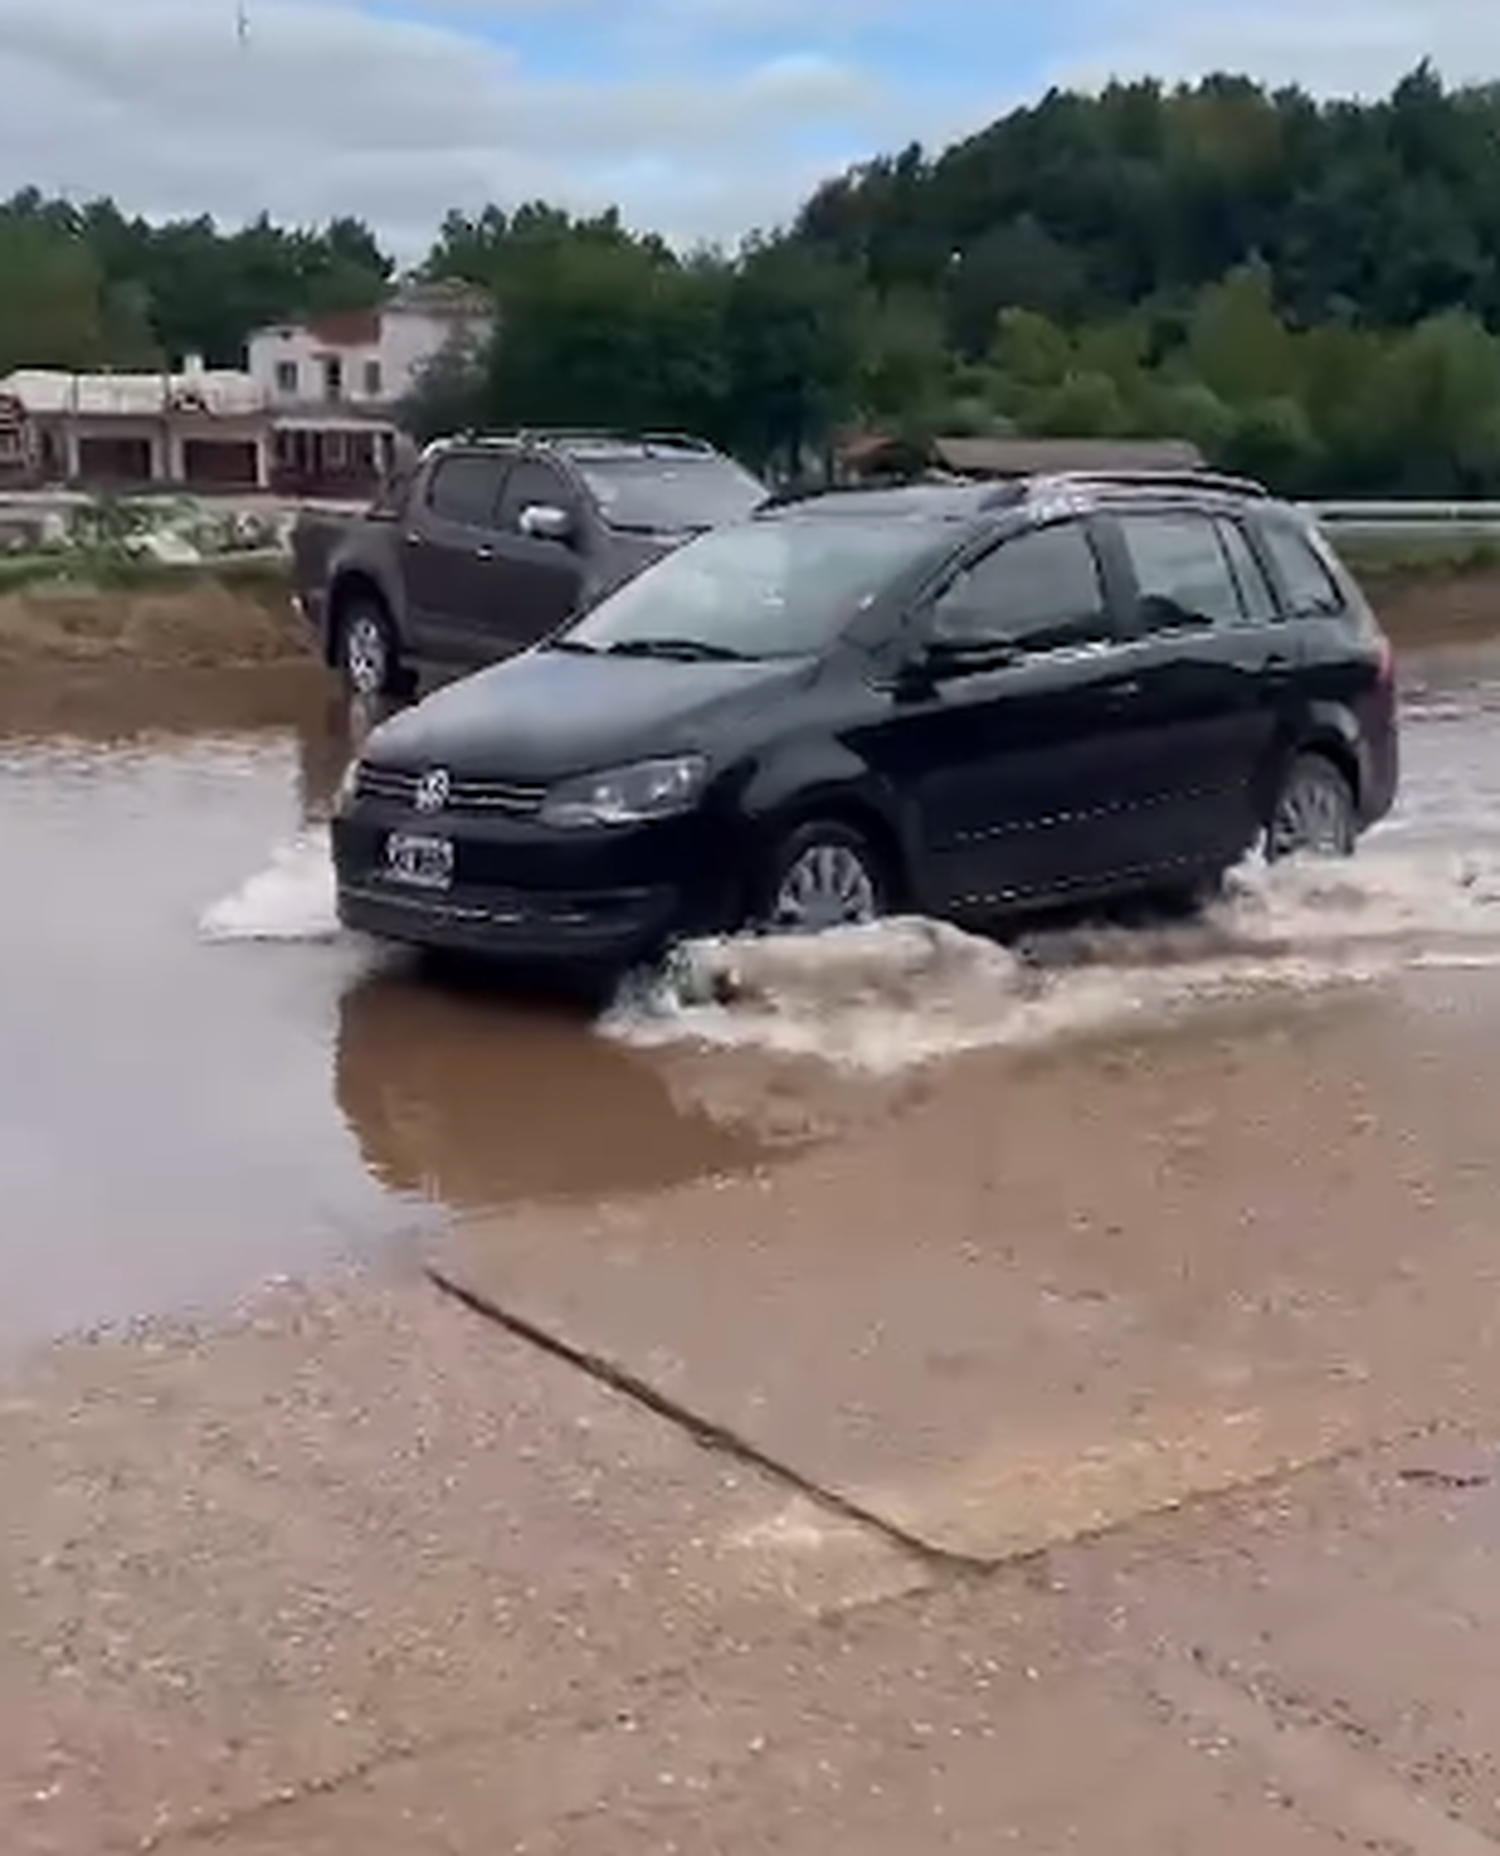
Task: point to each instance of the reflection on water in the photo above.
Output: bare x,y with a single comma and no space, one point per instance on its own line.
460,1093
182,1114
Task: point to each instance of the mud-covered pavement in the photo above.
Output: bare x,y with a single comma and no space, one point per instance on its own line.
1059,1422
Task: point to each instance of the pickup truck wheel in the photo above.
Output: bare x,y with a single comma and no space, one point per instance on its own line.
367,650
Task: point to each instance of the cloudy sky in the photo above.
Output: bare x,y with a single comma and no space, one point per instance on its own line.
701,118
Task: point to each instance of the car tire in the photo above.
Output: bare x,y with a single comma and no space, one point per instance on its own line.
1314,813
368,652
824,874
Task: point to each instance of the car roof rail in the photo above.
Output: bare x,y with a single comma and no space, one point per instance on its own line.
594,435
680,441
565,435
1147,479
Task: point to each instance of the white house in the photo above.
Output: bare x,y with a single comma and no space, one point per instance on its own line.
333,384
312,412
202,427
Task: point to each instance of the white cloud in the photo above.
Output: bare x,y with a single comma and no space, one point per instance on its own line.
1345,47
335,107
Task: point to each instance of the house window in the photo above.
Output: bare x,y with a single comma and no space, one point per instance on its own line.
373,380
286,376
333,378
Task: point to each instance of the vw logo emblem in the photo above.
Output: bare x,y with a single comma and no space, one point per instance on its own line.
432,791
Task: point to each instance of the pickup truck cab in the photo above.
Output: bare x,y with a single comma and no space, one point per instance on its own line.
489,544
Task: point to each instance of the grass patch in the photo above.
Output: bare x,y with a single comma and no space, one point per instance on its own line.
107,571
1416,557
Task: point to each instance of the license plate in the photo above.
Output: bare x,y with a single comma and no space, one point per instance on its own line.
419,862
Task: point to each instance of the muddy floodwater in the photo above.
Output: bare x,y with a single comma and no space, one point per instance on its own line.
204,1086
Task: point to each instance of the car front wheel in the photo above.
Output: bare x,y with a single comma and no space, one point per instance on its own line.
823,875
1314,814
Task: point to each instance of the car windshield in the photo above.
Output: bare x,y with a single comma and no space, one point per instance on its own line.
760,590
671,495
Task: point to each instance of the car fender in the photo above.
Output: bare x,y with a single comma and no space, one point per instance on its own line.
356,572
825,779
1327,728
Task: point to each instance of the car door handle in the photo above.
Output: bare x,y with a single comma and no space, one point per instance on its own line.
484,554
1127,689
414,540
1279,665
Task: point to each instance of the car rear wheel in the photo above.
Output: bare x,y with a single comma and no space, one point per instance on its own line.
824,875
368,654
1314,814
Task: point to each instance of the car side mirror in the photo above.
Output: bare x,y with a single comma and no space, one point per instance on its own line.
546,522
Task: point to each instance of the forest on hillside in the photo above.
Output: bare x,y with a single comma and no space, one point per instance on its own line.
1309,289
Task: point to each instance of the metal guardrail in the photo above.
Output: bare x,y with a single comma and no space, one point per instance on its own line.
1374,517
1407,519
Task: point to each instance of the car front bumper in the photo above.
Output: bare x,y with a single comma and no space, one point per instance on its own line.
611,927
525,893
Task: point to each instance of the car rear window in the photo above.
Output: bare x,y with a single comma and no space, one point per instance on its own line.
760,589
673,496
1307,583
1182,569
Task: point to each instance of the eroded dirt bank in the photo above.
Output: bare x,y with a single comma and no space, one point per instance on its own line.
1434,606
208,620
225,620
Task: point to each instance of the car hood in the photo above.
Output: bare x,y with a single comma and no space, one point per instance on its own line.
548,714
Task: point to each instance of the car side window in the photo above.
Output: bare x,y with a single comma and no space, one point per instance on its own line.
1039,589
1257,599
466,490
1182,572
1309,589
533,482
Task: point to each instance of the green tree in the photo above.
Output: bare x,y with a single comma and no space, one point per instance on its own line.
792,349
52,302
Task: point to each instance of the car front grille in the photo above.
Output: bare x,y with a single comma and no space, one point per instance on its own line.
494,798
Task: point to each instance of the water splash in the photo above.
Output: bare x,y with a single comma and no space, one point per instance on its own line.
906,992
291,900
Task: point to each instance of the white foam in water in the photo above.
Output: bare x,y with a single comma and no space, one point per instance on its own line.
905,992
291,900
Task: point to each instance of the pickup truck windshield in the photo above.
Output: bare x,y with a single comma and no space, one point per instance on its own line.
671,496
760,590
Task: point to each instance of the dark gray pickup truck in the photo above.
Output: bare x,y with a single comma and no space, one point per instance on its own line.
488,544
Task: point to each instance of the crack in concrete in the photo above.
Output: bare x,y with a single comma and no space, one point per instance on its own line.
709,1434
211,1826
706,1432
1335,1785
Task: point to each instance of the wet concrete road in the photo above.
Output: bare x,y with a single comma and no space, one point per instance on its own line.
186,1113
1179,1266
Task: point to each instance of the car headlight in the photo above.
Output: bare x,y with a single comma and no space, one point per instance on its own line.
348,786
628,795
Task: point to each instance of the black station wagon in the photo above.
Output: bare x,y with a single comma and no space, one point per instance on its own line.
965,700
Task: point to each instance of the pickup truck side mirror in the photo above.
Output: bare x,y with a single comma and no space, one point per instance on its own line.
546,522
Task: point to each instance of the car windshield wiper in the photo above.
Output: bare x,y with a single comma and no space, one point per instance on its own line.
661,531
686,650
577,645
